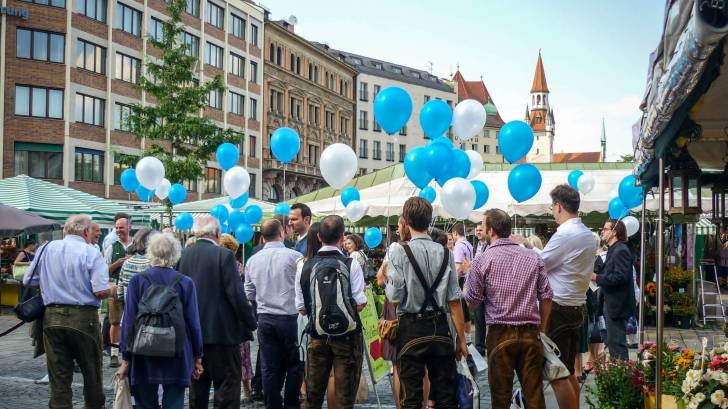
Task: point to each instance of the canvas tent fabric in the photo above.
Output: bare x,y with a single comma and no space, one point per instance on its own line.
15,221
200,208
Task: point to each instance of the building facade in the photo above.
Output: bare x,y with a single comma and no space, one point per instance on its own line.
310,91
486,143
541,118
68,74
374,148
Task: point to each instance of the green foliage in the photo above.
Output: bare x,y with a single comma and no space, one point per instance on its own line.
626,158
617,385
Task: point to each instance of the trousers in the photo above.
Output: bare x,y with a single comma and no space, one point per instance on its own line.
281,366
223,369
616,340
345,356
146,396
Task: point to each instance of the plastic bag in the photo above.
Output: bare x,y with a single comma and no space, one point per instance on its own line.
122,393
517,400
468,395
553,368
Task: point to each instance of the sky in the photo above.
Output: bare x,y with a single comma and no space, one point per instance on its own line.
595,53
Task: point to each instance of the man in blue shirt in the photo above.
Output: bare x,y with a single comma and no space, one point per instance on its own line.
300,221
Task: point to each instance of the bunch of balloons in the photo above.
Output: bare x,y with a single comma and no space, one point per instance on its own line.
183,221
582,182
441,161
628,196
515,141
150,171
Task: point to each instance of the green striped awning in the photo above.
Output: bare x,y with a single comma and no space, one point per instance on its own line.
57,202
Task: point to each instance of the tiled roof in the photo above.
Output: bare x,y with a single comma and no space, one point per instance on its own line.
539,77
474,90
577,157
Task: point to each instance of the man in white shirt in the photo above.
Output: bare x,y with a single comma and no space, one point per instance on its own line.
569,259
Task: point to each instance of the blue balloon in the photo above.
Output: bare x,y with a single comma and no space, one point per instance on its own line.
129,180
144,194
220,212
515,140
239,202
349,194
183,221
227,155
177,194
460,163
573,178
253,214
244,233
524,181
629,193
481,193
439,159
442,139
224,228
282,209
392,109
435,118
617,210
373,237
235,219
415,167
285,144
428,194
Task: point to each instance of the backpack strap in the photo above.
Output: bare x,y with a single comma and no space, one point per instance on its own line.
175,280
429,290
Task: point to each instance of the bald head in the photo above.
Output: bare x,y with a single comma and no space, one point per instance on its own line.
272,230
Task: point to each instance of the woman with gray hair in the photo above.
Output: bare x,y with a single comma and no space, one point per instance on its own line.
138,262
147,373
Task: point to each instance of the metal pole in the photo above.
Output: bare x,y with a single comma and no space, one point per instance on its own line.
660,285
643,273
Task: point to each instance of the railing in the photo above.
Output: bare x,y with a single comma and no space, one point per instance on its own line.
295,167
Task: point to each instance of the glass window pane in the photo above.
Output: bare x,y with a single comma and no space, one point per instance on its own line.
693,192
21,162
39,102
22,43
55,103
101,10
37,164
57,48
91,7
81,6
79,108
79,56
78,165
118,66
55,165
100,60
58,3
22,100
88,109
118,16
40,45
677,191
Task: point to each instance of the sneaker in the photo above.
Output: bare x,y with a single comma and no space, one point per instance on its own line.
114,362
42,381
76,368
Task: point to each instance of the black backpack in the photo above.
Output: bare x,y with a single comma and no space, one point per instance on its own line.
332,306
159,325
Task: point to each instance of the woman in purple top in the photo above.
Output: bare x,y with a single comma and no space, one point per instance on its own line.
147,373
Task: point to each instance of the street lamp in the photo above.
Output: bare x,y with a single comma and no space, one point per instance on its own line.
684,185
720,197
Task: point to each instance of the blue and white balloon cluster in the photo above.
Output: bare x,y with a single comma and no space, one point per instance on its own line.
147,180
582,182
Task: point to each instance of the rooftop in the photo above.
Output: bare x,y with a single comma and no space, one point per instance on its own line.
577,157
478,91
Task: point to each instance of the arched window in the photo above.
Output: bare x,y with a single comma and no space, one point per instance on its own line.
292,62
538,119
315,74
272,53
539,99
544,99
272,193
533,100
310,71
279,57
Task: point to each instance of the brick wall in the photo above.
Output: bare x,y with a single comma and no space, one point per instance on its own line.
236,120
158,5
126,139
253,162
254,88
88,78
89,25
96,189
236,81
254,125
236,42
254,51
214,32
87,132
125,88
121,37
211,71
190,20
214,114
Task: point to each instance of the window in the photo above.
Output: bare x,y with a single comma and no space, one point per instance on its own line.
390,152
214,98
214,55
462,145
254,72
251,189
53,3
402,152
252,146
128,19
363,151
90,110
215,15
474,147
497,150
253,109
156,29
427,99
95,9
313,115
486,148
396,70
121,117
363,91
376,90
90,56
127,68
330,117
375,125
213,180
89,165
237,103
377,151
403,131
40,45
364,120
39,160
193,8
190,185
237,65
38,102
254,35
193,44
120,167
344,126
237,27
313,154
279,57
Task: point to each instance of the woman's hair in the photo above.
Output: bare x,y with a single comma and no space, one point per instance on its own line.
164,250
313,243
29,243
229,242
404,231
140,241
439,236
357,240
191,241
535,241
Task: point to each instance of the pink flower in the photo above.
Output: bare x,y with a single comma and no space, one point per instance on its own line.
673,347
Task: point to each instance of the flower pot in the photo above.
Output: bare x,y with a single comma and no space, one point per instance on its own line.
683,321
668,401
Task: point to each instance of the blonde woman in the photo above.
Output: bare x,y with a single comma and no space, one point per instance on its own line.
535,241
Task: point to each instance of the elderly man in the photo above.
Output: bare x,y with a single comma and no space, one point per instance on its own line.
92,237
73,278
115,258
225,314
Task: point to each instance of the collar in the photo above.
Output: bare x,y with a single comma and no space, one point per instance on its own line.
461,239
330,248
127,244
274,245
573,220
75,237
502,242
305,235
201,239
421,236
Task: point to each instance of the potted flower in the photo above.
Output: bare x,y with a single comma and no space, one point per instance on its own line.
683,309
675,364
678,278
617,385
706,386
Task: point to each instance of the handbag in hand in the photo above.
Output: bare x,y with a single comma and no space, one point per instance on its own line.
553,368
388,329
31,307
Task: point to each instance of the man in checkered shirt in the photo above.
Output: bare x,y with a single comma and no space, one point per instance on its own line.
511,281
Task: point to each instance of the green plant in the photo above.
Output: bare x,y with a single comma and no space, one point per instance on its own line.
617,385
675,364
677,277
684,311
680,299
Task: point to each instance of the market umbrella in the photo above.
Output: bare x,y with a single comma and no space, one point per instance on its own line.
14,222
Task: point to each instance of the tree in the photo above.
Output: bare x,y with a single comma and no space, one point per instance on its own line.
626,158
175,117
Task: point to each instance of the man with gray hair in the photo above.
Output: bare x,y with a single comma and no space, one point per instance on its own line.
226,316
73,278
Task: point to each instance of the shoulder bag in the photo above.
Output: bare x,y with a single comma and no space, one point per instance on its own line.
30,307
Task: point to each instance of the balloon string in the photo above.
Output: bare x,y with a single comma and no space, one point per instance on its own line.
389,195
284,182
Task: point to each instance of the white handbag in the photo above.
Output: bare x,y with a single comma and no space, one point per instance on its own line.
553,368
122,393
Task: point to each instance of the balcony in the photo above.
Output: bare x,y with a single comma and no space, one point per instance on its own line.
292,167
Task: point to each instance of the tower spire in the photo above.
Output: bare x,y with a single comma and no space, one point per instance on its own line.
604,142
539,77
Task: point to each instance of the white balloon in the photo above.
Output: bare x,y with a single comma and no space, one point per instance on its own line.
150,172
338,165
468,119
632,225
614,193
236,181
586,183
458,197
162,191
355,210
476,163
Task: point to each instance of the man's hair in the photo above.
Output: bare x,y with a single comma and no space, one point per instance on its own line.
439,236
282,218
567,197
271,230
122,215
417,213
619,229
206,226
499,221
459,229
332,228
305,210
77,224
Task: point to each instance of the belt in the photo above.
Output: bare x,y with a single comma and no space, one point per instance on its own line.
567,307
510,326
75,307
423,316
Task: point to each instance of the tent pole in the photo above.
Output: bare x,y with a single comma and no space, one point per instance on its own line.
660,284
642,275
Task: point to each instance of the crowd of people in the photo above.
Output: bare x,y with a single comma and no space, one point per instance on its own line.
183,319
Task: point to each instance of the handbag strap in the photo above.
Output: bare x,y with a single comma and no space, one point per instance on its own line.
37,260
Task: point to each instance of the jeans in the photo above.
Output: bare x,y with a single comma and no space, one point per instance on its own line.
616,339
280,362
73,333
146,396
517,349
345,356
223,369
